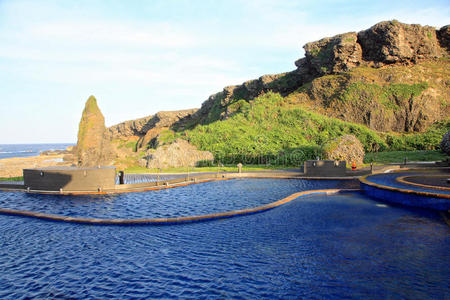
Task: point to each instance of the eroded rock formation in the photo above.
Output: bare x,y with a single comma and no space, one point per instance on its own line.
93,149
139,127
147,128
394,42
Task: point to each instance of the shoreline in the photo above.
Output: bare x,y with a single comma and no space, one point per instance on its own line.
12,167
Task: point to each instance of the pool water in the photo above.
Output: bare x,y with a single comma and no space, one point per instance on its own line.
389,179
320,246
195,199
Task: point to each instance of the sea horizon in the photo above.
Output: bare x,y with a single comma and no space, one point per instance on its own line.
29,149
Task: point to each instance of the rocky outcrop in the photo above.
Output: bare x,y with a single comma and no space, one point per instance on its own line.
150,138
332,55
347,148
93,149
443,36
216,107
394,42
396,98
445,143
175,155
383,44
139,127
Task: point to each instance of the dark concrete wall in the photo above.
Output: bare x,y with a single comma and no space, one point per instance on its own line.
70,179
324,168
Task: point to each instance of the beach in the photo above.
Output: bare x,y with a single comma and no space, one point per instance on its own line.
12,167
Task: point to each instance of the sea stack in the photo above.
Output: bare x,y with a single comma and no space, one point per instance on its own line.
92,146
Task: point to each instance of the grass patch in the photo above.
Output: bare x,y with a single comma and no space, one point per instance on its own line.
390,96
131,145
225,168
428,140
399,156
18,178
166,137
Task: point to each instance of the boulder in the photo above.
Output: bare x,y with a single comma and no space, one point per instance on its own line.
347,148
445,143
92,149
178,154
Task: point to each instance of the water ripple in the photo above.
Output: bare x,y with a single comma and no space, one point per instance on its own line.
319,246
196,199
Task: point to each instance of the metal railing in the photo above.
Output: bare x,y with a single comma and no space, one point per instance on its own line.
143,178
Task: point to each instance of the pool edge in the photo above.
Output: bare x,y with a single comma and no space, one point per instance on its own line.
175,220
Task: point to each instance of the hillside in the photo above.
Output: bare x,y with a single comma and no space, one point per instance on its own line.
389,85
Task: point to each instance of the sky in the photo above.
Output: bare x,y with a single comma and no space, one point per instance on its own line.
141,57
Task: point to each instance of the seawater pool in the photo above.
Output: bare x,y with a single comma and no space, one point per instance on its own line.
194,199
389,179
320,246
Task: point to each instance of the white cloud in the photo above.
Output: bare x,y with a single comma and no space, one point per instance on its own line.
115,33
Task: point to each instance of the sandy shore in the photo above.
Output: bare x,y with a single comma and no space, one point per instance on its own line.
12,167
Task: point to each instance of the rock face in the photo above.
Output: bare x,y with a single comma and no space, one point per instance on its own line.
216,107
146,130
332,55
178,154
383,44
445,143
150,137
443,35
347,148
394,98
92,148
394,42
139,127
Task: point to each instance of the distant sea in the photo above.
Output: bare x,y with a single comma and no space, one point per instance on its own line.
26,150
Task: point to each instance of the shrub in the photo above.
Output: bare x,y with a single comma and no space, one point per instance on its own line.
265,131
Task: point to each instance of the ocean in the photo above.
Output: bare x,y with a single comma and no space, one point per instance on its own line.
26,150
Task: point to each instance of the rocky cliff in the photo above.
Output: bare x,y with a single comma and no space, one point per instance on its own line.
383,56
139,127
93,148
146,129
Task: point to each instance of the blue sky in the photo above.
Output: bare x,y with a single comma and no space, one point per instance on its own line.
140,57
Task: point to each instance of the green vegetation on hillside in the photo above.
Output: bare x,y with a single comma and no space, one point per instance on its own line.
390,96
428,140
268,130
166,137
